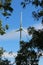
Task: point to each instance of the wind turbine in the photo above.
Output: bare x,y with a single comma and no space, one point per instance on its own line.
21,28
10,54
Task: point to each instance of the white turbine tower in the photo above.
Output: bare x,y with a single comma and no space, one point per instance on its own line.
21,28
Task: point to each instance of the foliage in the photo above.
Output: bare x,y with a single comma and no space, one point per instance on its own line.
3,29
5,62
1,51
26,55
2,60
6,10
5,5
39,6
37,37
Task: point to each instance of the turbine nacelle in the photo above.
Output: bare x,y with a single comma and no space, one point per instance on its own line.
20,29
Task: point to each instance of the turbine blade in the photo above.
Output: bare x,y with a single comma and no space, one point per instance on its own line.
24,30
26,33
17,30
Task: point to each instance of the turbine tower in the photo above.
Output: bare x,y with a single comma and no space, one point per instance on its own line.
21,28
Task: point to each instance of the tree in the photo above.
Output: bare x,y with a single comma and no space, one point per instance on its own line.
37,35
6,10
37,38
39,6
3,29
5,62
26,55
5,7
1,51
2,60
29,51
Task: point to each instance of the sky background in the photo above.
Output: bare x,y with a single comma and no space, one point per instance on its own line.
10,41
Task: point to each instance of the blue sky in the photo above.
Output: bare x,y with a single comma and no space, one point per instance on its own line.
10,41
14,23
